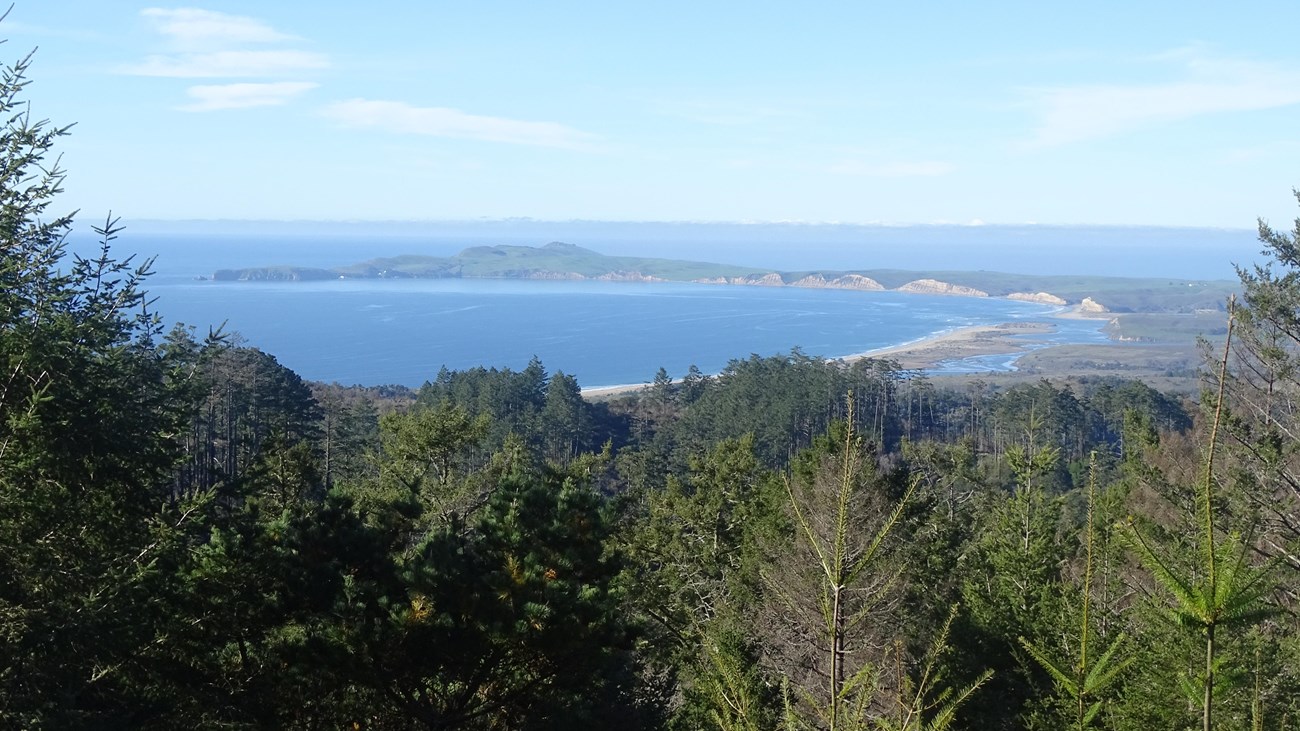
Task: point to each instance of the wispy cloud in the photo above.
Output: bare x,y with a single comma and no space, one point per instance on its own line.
191,27
205,44
916,169
1078,113
208,98
404,118
228,64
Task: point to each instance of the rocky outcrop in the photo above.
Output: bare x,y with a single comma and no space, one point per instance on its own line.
857,281
934,286
848,281
812,281
771,279
1090,305
1042,298
543,274
273,274
627,277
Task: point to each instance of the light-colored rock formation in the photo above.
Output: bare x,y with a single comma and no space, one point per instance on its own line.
628,277
771,279
857,281
848,281
812,281
934,286
768,280
1091,305
1042,298
547,274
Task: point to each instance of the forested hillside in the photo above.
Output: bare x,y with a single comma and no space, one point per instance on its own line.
193,536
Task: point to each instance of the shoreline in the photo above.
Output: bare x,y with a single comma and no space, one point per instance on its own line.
959,344
971,341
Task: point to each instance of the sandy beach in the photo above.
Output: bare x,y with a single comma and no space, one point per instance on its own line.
974,341
966,342
604,392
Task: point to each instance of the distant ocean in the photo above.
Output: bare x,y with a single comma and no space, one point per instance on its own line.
377,332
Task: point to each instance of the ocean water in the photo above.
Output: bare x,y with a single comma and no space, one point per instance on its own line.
403,332
1124,251
374,332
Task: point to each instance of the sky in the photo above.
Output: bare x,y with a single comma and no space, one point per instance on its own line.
1110,113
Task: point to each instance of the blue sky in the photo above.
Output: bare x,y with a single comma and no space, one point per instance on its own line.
1182,114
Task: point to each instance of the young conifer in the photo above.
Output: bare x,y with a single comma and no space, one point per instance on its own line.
1224,592
1085,679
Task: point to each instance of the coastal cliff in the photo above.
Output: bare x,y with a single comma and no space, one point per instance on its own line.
1042,298
1091,306
273,274
566,262
770,279
934,286
847,281
628,277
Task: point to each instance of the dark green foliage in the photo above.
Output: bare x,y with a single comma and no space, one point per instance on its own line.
784,401
430,448
349,432
693,563
191,536
245,399
1260,416
1011,587
86,407
1045,415
255,640
567,421
511,622
547,412
1110,402
1084,680
835,590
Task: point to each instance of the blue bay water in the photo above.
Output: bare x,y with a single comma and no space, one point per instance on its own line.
376,332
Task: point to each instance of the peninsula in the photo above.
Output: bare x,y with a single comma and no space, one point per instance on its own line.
561,261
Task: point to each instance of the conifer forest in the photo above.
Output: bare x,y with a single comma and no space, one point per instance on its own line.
192,536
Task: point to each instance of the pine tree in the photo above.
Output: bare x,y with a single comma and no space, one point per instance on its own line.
89,410
510,620
837,587
1225,591
1011,584
1085,678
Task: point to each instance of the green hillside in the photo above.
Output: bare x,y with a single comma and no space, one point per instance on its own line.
558,260
554,260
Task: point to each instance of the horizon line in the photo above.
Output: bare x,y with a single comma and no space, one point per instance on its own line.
667,222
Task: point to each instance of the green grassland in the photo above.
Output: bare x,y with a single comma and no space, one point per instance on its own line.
1168,327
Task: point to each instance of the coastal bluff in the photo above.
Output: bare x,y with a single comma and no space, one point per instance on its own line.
811,281
847,281
934,286
1042,298
567,262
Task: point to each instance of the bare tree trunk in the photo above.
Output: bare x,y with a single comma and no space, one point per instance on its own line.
1207,711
